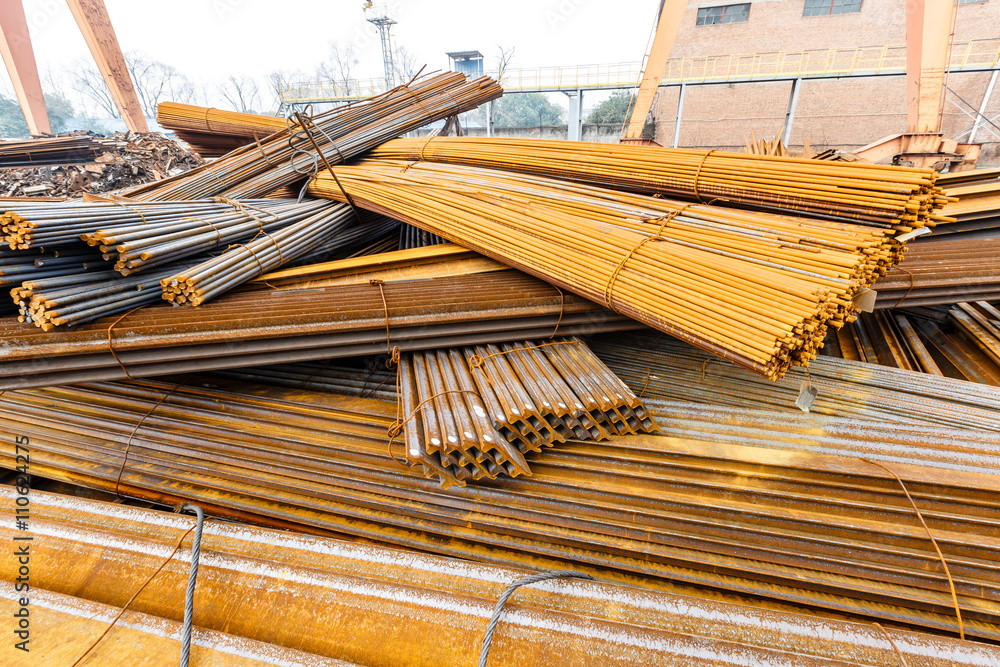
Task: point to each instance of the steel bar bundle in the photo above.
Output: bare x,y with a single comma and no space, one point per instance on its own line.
414,237
78,298
662,368
271,327
329,138
349,240
890,196
367,588
147,244
268,250
831,533
757,289
943,271
215,132
17,266
473,413
49,224
53,150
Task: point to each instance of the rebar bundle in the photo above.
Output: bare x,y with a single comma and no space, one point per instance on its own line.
832,533
170,238
474,412
328,138
54,224
215,132
17,266
757,289
101,552
268,250
277,326
883,195
84,297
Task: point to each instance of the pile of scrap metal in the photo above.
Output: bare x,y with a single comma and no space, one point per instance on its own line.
509,355
82,164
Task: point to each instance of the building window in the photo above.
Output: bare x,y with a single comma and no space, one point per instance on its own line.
969,2
830,7
724,14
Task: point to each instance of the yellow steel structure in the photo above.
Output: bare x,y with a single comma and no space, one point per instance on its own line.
667,24
969,55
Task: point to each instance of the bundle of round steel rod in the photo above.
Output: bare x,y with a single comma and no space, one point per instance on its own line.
215,132
943,271
474,412
78,298
370,227
889,196
268,250
154,243
51,224
280,326
662,368
758,289
414,237
833,533
16,266
84,547
328,138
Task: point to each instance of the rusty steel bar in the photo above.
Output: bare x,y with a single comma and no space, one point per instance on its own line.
826,532
83,546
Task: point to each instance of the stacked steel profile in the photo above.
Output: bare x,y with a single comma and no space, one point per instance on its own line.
92,556
813,530
473,413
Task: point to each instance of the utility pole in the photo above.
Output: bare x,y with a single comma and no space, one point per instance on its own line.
380,18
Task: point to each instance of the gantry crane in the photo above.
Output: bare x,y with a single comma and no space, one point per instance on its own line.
95,24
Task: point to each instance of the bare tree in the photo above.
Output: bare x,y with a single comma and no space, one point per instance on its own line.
503,61
241,93
342,62
406,64
157,82
86,80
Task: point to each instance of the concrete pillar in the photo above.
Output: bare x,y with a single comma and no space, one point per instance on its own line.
489,118
18,56
575,130
793,101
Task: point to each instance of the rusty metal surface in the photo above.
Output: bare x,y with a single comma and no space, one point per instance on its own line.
364,590
827,532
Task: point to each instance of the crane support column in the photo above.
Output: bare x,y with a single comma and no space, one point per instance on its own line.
18,56
928,29
575,129
95,24
667,26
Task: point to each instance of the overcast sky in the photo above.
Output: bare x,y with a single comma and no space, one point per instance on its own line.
208,40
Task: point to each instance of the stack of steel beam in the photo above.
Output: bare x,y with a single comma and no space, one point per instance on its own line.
280,326
757,289
875,194
328,138
473,413
962,343
100,553
667,369
943,271
834,533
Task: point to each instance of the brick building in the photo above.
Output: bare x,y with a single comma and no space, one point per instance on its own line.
845,113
